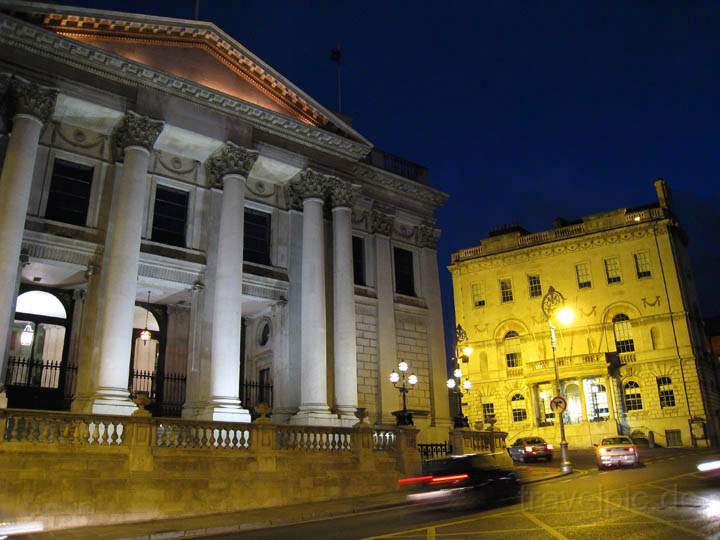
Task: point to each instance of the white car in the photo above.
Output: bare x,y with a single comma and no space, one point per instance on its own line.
616,451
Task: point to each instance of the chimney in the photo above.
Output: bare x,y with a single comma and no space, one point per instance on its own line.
664,194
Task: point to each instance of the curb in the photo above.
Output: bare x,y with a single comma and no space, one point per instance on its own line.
553,477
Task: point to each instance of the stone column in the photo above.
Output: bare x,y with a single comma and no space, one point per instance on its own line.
229,166
88,346
344,330
134,138
427,237
195,345
311,186
381,225
30,107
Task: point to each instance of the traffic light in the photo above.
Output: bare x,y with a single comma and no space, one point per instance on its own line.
613,362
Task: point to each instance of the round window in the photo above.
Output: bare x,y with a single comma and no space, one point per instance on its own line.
264,334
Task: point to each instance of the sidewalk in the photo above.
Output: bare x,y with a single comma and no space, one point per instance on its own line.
252,519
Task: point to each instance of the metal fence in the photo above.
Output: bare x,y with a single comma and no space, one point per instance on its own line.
166,392
253,393
40,383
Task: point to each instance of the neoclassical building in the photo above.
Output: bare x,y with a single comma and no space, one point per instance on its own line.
634,361
179,219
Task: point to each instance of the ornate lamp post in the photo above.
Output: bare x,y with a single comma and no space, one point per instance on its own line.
455,383
404,417
553,306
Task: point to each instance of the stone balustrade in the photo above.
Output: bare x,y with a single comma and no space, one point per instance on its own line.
58,428
384,439
313,438
187,434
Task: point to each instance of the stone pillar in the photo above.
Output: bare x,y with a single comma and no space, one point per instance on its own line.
88,346
427,237
134,138
311,187
344,330
30,107
381,225
195,345
282,374
229,166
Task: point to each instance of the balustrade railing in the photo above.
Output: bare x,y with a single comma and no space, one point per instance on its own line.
580,360
384,439
64,428
313,438
430,451
192,434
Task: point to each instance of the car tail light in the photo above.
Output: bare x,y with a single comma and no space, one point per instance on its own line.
549,446
603,451
414,480
528,449
631,450
451,479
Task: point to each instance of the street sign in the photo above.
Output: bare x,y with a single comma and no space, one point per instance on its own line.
558,404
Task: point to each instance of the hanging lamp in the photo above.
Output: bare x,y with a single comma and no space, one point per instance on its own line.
146,335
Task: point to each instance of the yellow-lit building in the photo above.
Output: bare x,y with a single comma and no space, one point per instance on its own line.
627,277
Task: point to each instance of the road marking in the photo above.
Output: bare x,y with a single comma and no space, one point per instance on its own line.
551,531
654,518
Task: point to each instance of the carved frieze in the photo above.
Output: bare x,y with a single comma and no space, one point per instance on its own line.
230,159
27,97
427,236
136,130
381,223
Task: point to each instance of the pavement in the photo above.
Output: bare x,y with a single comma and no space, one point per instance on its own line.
262,518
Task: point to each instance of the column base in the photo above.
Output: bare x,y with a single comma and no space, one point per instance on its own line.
114,401
222,410
315,416
347,416
283,415
82,404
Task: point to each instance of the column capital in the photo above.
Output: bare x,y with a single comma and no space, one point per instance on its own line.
27,97
427,236
229,159
342,194
136,130
310,183
381,223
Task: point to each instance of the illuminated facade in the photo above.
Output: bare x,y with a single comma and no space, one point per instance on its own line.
627,276
179,219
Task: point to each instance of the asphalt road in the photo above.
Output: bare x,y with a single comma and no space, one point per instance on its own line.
665,498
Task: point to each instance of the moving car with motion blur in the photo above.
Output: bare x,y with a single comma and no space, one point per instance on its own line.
530,449
616,451
469,480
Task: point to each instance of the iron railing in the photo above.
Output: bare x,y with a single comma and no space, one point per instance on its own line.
253,393
166,392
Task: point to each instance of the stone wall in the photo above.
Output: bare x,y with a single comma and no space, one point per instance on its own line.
367,357
412,347
70,470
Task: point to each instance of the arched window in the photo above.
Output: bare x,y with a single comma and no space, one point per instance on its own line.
623,333
517,404
666,392
632,396
512,349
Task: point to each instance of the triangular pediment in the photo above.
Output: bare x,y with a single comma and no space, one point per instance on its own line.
197,51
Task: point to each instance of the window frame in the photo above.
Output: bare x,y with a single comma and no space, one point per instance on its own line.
362,264
615,279
481,296
414,272
510,289
488,411
623,345
634,398
162,186
666,392
534,287
249,210
518,414
583,284
642,274
190,232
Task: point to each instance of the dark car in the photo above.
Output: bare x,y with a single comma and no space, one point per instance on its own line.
472,479
530,449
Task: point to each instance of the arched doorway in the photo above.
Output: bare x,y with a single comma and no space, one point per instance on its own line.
38,376
145,354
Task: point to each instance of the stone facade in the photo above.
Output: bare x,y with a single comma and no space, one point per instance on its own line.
626,275
220,219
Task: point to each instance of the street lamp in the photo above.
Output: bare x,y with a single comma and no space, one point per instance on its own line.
455,383
404,417
553,306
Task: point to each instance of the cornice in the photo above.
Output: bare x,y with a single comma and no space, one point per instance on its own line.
387,180
36,40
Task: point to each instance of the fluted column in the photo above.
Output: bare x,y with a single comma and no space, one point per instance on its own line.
344,330
311,187
228,167
134,138
30,107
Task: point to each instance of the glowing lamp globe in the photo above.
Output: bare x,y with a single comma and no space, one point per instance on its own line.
26,336
565,316
145,335
412,379
402,366
457,373
467,350
394,377
451,383
467,385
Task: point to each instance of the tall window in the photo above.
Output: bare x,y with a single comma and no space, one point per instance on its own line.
623,333
404,275
582,271
506,294
534,286
666,392
642,265
170,216
478,295
488,412
519,412
633,398
256,247
512,349
612,270
358,245
69,195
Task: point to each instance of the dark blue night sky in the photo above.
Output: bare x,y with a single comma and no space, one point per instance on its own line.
523,111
